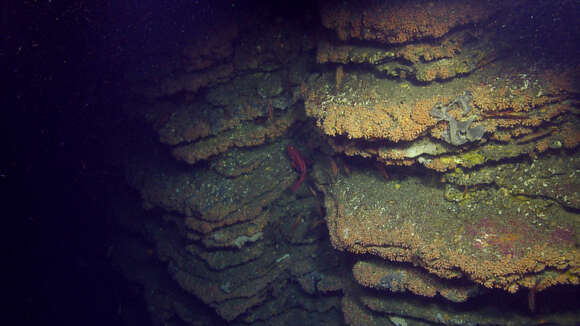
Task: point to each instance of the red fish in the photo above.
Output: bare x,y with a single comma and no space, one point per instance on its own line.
298,164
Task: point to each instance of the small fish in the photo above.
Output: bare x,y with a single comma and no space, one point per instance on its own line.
298,164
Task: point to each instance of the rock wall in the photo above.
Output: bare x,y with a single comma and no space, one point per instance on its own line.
440,159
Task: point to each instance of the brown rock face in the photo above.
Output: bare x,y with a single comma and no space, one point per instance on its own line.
440,143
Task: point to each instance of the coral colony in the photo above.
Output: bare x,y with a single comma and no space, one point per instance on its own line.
442,159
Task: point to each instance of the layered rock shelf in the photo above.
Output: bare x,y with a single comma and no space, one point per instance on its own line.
438,143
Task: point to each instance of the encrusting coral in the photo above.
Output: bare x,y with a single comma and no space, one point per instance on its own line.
489,206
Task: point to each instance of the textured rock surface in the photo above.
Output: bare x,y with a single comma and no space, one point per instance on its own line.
442,170
494,244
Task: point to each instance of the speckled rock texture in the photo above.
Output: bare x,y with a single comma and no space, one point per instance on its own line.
438,143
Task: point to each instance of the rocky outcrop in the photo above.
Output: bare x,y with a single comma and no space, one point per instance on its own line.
440,171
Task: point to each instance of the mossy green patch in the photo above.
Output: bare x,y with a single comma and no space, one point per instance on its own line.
471,158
